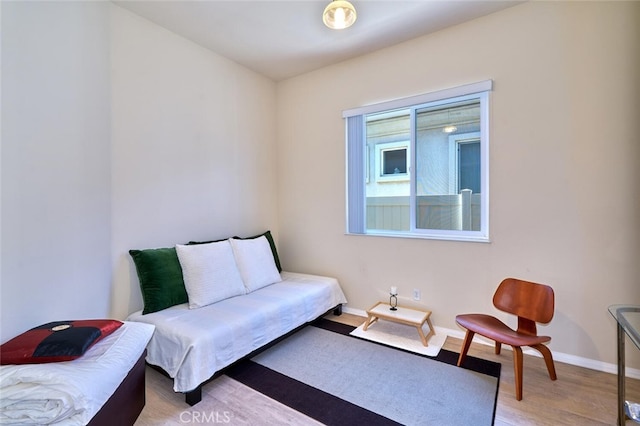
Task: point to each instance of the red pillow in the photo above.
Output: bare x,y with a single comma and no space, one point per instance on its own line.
56,341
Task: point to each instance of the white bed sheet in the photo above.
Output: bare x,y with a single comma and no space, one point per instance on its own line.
71,392
192,344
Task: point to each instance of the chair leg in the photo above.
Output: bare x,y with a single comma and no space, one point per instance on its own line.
465,346
498,346
548,359
517,368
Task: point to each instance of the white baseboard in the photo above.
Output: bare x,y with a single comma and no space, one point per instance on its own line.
591,364
354,311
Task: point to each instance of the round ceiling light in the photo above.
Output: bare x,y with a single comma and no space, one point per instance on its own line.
339,14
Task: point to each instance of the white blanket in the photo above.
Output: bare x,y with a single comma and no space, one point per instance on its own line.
71,392
192,344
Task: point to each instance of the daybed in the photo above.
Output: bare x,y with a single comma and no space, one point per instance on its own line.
105,386
195,339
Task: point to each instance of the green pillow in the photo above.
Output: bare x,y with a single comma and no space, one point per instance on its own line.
160,276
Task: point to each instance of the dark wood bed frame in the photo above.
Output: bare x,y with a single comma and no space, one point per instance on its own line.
195,396
126,403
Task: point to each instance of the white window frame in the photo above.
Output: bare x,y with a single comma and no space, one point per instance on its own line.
355,194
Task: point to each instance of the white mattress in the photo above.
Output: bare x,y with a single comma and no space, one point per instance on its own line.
192,344
71,392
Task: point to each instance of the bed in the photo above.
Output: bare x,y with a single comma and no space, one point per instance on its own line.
192,345
103,387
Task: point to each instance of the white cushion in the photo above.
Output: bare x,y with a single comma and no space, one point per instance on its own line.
255,262
210,273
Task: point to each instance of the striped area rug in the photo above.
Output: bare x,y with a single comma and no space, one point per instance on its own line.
339,379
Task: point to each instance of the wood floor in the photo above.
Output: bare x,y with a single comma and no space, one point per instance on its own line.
579,397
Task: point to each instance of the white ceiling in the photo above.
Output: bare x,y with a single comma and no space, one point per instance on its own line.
281,39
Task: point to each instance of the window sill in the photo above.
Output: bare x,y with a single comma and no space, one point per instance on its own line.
393,178
449,237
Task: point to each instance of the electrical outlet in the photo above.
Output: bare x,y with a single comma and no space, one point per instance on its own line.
416,294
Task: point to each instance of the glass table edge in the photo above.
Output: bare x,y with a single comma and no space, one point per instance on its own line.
618,312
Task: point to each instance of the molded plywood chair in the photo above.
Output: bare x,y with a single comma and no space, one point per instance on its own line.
532,303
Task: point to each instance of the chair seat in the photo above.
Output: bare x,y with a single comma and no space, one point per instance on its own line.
494,329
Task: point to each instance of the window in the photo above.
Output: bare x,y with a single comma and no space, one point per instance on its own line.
464,162
391,161
418,167
394,162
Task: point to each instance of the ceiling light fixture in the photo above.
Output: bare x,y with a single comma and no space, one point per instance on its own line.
339,14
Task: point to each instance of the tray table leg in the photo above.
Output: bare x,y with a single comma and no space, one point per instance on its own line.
370,320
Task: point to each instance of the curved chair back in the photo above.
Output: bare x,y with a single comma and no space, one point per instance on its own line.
525,299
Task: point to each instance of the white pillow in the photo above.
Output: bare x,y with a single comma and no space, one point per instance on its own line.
210,273
255,262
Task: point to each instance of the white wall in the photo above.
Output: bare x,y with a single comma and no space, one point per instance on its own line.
117,134
564,175
193,149
55,168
